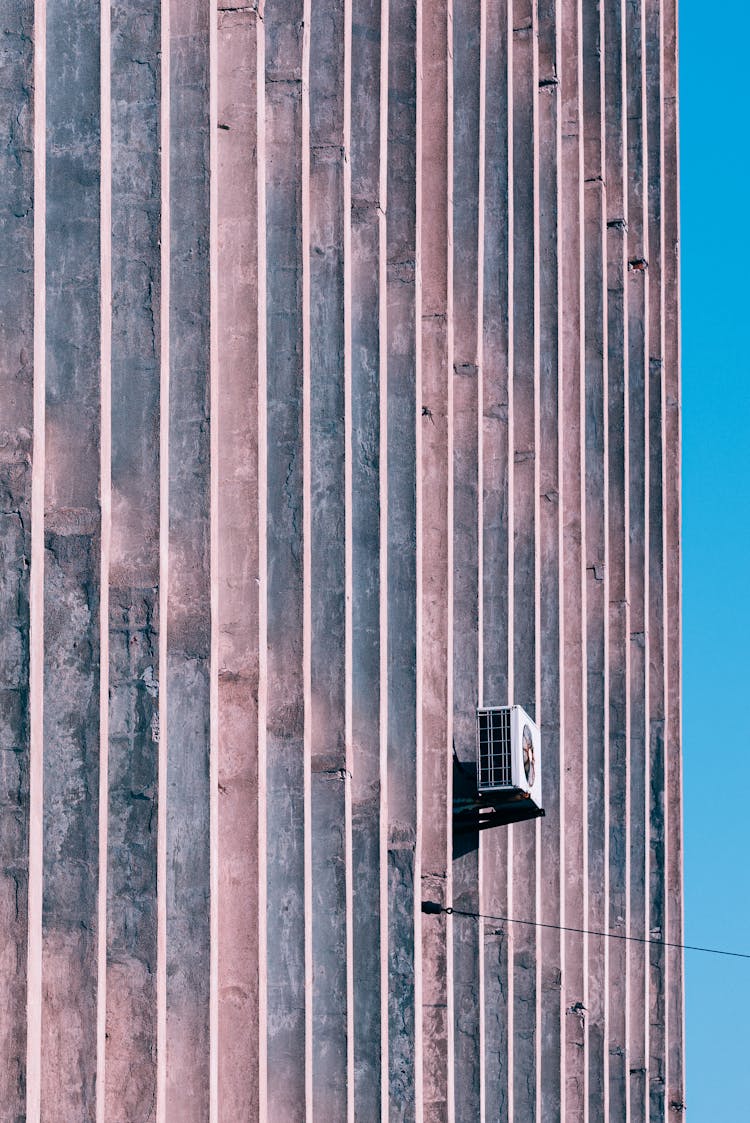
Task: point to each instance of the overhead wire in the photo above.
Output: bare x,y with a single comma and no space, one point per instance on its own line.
434,908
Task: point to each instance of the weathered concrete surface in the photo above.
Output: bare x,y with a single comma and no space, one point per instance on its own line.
330,390
575,804
240,87
551,441
597,557
497,520
638,355
467,391
16,429
618,567
525,500
404,1077
368,468
286,973
674,982
71,567
188,609
134,604
16,436
434,558
423,428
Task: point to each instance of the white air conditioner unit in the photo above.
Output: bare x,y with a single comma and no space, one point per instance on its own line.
508,754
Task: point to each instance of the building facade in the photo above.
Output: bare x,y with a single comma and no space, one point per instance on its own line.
340,390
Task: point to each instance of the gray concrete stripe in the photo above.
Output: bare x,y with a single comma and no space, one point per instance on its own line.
551,442
134,560
597,560
656,568
466,391
329,371
72,544
285,768
525,499
17,394
619,554
36,578
369,45
240,87
638,429
164,474
188,609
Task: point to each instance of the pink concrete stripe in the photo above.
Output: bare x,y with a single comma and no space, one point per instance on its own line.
36,685
672,358
419,691
480,336
105,472
214,392
597,556
657,569
575,888
638,352
238,569
383,539
618,545
262,510
348,556
164,407
497,512
307,557
435,560
525,493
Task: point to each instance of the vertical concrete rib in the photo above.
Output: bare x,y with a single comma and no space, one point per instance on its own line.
615,174
597,560
638,352
72,544
214,548
383,527
188,609
36,577
105,500
17,375
164,381
674,981
369,44
401,581
466,387
575,912
329,368
262,422
435,559
525,499
551,441
241,582
134,559
285,718
654,390
497,520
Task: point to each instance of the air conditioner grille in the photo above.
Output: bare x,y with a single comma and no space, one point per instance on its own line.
493,731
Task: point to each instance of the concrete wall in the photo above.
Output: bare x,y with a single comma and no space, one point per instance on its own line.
340,393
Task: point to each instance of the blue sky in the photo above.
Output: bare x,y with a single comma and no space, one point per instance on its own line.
716,550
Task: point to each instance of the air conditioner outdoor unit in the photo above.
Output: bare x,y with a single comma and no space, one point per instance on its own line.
508,754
